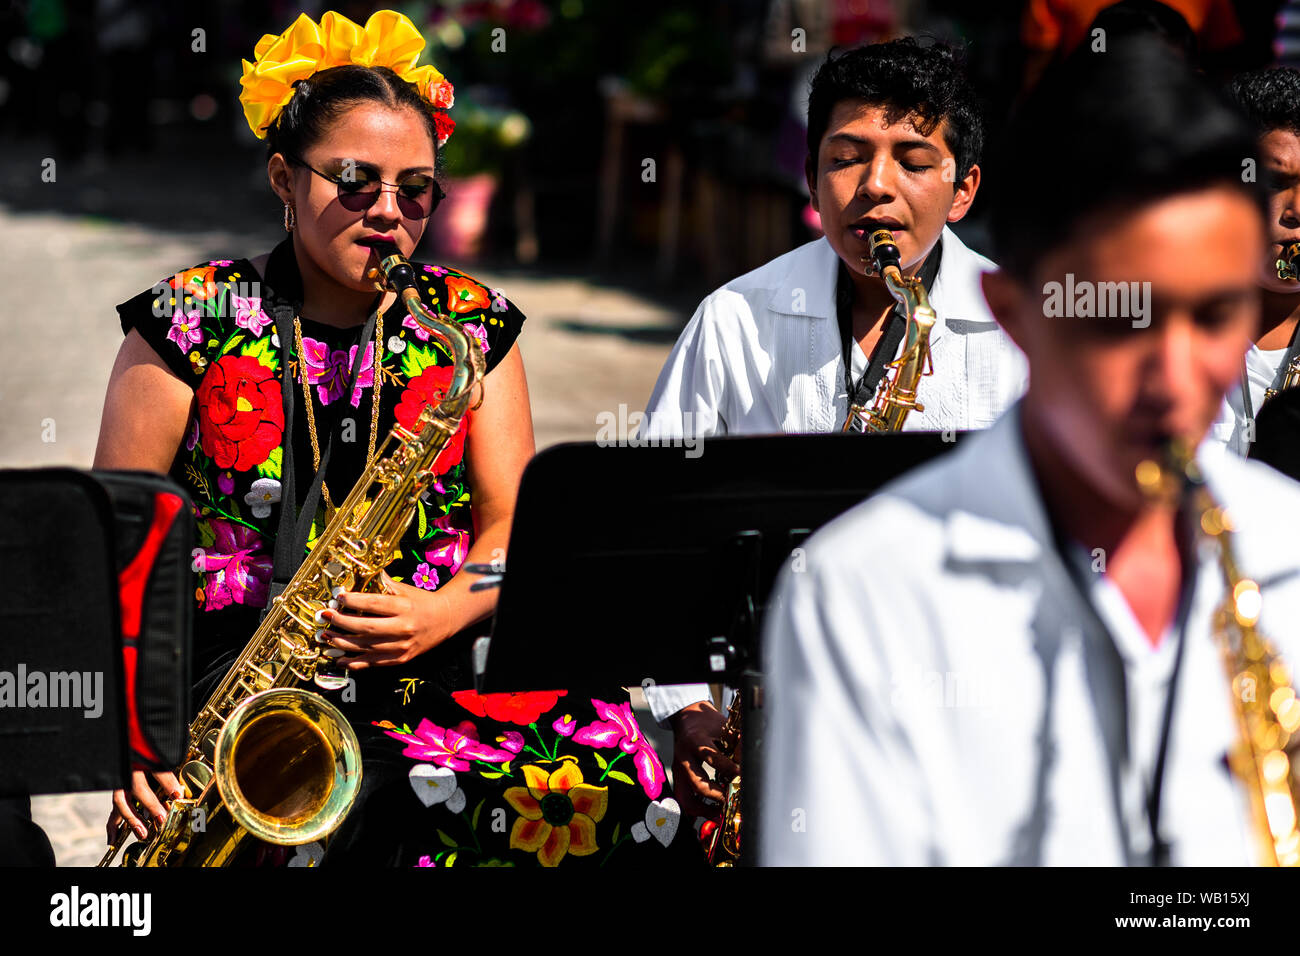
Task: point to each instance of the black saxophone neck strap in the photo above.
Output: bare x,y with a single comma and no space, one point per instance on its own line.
887,345
284,284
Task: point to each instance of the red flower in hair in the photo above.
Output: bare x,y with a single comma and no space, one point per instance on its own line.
445,126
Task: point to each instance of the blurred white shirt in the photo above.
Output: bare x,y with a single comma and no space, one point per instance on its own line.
959,704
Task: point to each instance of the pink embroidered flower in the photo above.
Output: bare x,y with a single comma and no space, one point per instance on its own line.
452,550
426,860
511,740
564,726
329,370
476,329
249,314
235,573
436,270
186,330
420,332
618,728
220,262
446,747
425,577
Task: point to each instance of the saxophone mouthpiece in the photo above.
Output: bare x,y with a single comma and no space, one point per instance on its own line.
884,251
1165,478
394,273
1288,267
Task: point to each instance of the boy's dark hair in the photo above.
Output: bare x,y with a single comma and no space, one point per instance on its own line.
926,83
320,100
1105,132
1269,98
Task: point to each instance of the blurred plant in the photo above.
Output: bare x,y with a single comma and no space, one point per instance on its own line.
485,137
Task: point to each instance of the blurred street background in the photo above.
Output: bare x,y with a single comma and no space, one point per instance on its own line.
124,156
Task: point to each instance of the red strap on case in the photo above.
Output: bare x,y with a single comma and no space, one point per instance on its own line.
131,585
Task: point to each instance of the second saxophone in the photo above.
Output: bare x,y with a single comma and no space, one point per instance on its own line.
896,395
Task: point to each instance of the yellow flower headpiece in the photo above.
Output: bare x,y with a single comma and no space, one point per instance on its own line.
388,39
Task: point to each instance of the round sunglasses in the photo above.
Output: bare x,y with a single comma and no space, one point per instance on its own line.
417,195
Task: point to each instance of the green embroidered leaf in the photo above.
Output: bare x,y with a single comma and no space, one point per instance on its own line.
451,860
262,350
213,307
211,342
406,729
621,777
424,523
447,841
206,535
271,467
473,821
415,359
617,828
490,774
601,761
231,343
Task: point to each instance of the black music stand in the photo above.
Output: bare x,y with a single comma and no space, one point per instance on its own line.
638,565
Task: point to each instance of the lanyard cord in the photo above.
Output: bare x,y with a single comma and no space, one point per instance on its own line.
295,526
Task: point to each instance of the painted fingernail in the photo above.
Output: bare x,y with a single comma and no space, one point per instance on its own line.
320,617
333,605
335,652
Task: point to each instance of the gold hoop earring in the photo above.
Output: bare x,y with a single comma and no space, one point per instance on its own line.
289,220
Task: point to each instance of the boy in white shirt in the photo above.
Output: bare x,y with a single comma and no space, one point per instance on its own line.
894,141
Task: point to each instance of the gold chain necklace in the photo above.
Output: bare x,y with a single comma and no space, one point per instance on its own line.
374,406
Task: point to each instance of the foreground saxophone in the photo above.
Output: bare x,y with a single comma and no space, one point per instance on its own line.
268,758
896,395
1263,698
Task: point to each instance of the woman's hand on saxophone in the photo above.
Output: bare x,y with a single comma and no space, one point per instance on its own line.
148,803
385,629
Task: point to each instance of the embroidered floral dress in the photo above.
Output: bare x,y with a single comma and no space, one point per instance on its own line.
449,777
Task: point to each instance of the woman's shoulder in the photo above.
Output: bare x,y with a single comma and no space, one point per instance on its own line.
486,311
192,315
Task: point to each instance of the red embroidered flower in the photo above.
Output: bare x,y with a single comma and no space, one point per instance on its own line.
466,295
523,709
241,412
430,388
196,282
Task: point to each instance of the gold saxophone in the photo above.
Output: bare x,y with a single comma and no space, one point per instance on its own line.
896,395
267,757
895,399
1263,698
1288,267
724,842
